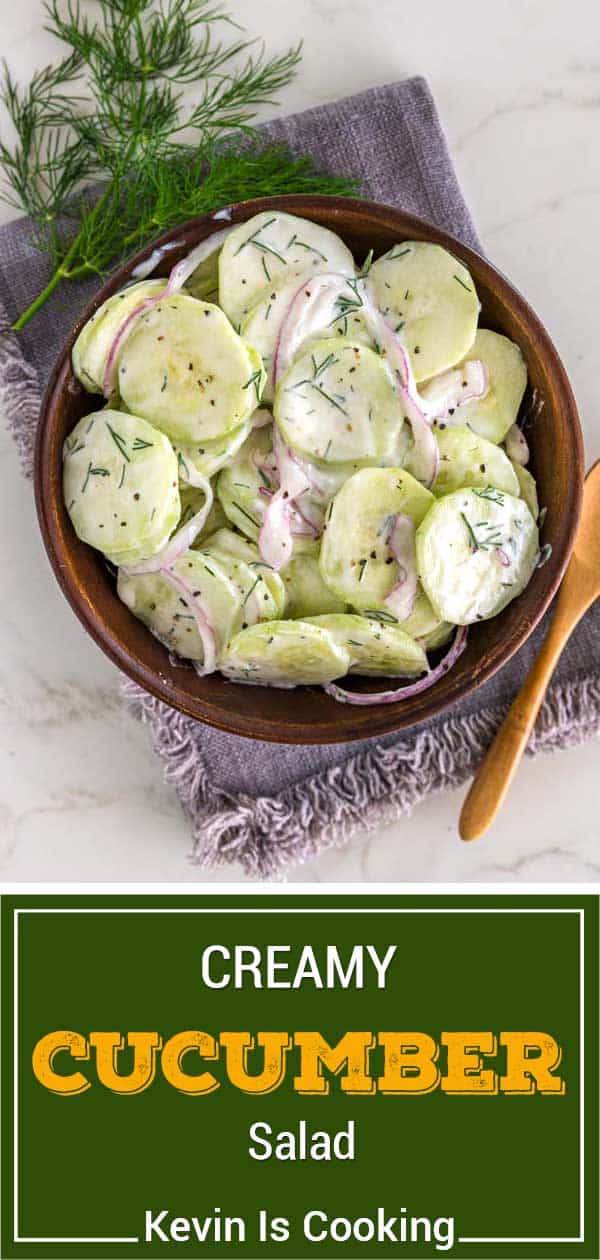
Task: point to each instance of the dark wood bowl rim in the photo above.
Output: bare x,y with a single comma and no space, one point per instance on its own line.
383,719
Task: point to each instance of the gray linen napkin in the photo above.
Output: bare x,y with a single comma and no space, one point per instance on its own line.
251,802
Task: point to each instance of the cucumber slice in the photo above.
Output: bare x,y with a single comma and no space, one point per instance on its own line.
337,403
185,369
120,484
424,623
239,485
335,312
233,544
437,638
155,602
527,489
90,353
258,598
429,297
476,551
284,654
272,246
356,560
329,305
204,281
307,594
167,612
208,458
466,459
229,546
375,649
233,594
262,325
494,414
192,500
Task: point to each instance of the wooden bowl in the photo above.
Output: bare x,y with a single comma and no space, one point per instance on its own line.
307,715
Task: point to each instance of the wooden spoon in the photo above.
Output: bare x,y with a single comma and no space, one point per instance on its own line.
580,587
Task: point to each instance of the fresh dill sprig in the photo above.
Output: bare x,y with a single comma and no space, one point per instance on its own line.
112,110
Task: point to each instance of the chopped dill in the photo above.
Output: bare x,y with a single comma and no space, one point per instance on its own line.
113,110
374,614
252,588
246,514
461,282
119,442
254,380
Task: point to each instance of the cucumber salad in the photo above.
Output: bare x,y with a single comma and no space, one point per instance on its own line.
304,469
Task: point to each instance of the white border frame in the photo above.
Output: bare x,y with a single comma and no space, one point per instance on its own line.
18,1238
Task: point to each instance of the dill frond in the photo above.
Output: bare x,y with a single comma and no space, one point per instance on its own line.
112,110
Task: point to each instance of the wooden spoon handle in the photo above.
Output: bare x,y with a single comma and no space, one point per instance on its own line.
496,772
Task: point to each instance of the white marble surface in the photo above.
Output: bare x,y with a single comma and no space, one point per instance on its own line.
518,86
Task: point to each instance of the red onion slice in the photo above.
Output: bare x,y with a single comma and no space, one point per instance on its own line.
283,515
515,445
445,395
403,693
145,268
425,454
205,628
177,278
401,542
292,476
275,542
316,291
109,380
186,266
181,541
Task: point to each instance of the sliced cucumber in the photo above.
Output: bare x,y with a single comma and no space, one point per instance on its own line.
527,489
167,614
375,648
239,484
233,595
320,310
205,460
337,403
307,594
120,484
262,325
466,459
233,544
185,369
230,548
437,638
356,560
429,297
92,347
258,598
494,414
476,551
192,500
424,624
284,654
270,246
204,281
